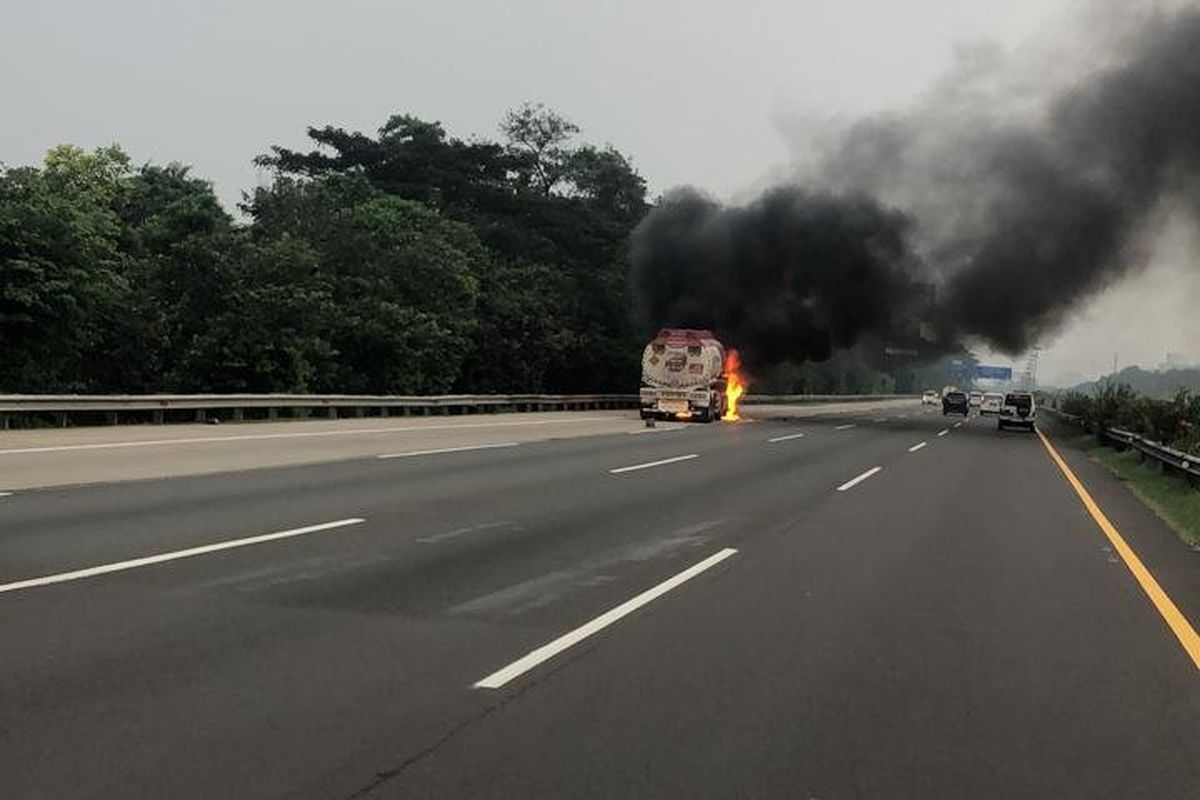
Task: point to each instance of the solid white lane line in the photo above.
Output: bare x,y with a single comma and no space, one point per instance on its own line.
916,447
847,426
649,464
297,435
850,484
159,558
462,449
571,638
943,431
789,437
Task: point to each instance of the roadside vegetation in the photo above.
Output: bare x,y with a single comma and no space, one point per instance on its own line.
408,261
1174,422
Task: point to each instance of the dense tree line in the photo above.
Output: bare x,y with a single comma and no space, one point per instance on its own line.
406,262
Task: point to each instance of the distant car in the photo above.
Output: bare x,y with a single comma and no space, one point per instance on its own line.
955,403
1019,411
976,399
930,397
992,403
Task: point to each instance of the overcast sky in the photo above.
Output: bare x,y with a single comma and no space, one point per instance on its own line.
694,92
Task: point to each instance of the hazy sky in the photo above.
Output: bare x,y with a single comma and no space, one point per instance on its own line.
695,92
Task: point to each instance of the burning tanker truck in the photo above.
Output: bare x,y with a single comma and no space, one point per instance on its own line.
687,374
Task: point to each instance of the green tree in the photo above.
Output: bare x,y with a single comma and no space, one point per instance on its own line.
403,279
607,179
269,328
522,331
537,140
62,272
553,303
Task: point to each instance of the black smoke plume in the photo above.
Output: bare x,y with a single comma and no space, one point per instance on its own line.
793,275
944,227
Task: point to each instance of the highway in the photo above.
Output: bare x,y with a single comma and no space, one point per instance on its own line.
832,602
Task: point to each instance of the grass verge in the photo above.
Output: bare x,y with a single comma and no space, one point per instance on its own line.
1167,495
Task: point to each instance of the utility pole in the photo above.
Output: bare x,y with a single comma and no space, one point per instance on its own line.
1029,376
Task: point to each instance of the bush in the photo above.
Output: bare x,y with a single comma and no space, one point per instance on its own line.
1174,422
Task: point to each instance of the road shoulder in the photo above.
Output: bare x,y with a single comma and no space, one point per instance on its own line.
1173,563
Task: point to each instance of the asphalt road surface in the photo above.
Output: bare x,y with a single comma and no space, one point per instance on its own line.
876,603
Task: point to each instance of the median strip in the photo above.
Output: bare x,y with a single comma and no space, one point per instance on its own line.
649,464
441,450
547,651
1165,606
855,481
787,438
159,558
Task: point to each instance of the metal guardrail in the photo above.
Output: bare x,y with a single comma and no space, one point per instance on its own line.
202,407
158,408
1185,463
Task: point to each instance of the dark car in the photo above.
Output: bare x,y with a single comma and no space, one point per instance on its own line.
955,403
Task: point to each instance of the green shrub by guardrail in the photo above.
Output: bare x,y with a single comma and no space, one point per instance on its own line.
1175,422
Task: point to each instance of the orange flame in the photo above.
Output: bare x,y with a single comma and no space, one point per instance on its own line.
735,385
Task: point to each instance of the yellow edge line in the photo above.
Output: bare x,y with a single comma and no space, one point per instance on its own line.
1170,613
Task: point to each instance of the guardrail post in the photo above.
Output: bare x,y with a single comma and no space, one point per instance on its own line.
110,418
61,418
331,412
157,416
200,415
238,414
384,412
358,412
3,422
272,413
